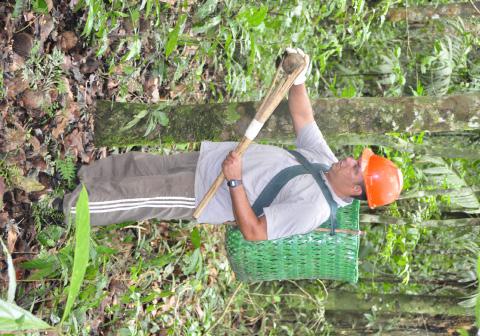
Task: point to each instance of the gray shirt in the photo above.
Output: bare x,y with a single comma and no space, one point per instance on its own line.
300,207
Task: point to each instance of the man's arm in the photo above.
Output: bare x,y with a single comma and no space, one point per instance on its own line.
300,107
251,226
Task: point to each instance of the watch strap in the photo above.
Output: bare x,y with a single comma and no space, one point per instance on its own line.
234,183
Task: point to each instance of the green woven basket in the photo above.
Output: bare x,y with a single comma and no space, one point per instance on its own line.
315,255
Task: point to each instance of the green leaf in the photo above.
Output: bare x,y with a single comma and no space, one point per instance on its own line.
477,302
15,318
257,16
101,249
40,6
206,9
213,22
139,116
161,117
194,261
12,280
40,263
49,236
160,261
195,238
17,10
134,50
82,249
173,35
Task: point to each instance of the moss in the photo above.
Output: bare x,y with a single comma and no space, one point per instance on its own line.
220,122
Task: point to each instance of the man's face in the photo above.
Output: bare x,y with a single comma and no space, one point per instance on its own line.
347,175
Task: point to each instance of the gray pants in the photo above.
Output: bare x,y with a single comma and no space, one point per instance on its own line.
137,186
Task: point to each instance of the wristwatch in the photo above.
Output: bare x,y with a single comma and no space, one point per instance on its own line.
234,183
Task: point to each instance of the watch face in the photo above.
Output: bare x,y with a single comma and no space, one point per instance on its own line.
234,183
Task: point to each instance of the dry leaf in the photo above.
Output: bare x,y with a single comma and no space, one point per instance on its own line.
35,144
14,138
35,99
12,235
67,40
74,141
46,27
2,191
59,129
28,184
15,87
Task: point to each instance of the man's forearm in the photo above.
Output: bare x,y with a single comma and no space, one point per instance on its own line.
252,227
300,106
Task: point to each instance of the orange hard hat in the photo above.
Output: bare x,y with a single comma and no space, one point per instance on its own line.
383,180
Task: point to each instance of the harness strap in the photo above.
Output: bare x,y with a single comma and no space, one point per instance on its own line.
271,190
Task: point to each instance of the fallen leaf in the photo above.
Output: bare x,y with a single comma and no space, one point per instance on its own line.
35,143
28,184
67,41
59,129
46,27
74,141
32,99
12,235
15,86
17,63
14,138
3,219
2,191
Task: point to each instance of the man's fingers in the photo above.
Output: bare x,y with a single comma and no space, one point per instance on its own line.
291,50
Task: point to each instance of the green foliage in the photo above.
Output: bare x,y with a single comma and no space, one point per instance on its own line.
477,301
19,6
12,280
173,35
82,248
40,6
3,92
15,318
10,173
44,71
154,118
46,217
67,169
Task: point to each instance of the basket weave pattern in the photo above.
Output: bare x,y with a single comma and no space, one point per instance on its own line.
315,255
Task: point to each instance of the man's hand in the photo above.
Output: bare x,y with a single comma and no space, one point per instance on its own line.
302,77
298,101
232,166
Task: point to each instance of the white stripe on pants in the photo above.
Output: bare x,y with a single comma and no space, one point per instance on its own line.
137,186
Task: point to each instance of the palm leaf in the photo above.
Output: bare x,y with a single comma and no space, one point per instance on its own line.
82,249
439,173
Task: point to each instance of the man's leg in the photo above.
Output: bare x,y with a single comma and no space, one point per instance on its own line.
138,186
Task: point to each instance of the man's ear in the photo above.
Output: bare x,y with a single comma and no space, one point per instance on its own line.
357,190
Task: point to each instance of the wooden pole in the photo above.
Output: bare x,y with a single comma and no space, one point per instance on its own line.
292,65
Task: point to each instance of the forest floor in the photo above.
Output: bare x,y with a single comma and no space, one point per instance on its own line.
44,116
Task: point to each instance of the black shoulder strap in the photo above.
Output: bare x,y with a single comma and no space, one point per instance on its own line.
272,189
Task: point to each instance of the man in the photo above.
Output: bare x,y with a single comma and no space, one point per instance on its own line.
138,186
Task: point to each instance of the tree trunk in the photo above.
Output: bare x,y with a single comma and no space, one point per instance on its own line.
352,323
449,146
440,192
395,303
426,13
420,280
335,116
368,218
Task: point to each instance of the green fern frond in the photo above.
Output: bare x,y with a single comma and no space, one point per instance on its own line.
67,169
